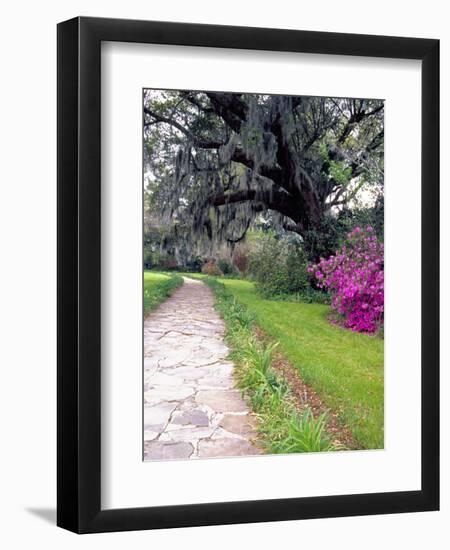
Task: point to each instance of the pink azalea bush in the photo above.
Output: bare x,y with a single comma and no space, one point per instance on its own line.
354,276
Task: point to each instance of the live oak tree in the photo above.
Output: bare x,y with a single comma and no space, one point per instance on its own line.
216,162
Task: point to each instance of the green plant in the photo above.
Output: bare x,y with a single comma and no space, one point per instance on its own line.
241,257
345,368
312,296
354,276
211,268
226,267
281,428
278,265
259,360
157,287
307,434
307,296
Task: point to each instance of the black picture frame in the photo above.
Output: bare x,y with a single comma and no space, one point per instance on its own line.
79,282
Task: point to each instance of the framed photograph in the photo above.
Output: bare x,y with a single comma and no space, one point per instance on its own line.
248,275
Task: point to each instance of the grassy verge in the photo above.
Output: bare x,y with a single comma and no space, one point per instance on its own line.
346,369
308,296
281,427
157,287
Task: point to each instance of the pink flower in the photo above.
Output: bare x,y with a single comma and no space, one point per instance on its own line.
354,276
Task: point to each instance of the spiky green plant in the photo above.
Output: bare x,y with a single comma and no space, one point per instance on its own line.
307,434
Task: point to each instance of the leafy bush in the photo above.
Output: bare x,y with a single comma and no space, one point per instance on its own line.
355,278
323,241
226,267
278,265
155,259
241,257
193,265
211,268
311,296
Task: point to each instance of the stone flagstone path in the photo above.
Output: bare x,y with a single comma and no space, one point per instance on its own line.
191,409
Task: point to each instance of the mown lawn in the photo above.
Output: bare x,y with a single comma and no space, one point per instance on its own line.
345,368
157,287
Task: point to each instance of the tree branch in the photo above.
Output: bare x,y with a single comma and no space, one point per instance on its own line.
194,101
230,108
201,144
356,117
271,199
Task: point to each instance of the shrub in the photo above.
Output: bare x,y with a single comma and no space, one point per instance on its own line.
155,259
355,278
241,257
313,296
278,266
226,267
322,241
193,264
211,268
171,263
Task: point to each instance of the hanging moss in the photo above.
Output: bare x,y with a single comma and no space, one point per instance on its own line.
188,178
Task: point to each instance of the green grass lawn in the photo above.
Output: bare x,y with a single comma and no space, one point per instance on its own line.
345,368
157,287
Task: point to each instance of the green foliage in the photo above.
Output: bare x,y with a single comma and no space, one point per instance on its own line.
323,241
282,428
167,247
312,296
193,264
217,163
309,295
226,267
340,172
148,258
157,287
278,265
155,259
373,216
307,434
345,368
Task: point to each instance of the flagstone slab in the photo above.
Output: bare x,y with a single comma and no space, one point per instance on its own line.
161,379
189,433
149,435
225,447
158,415
174,357
157,394
215,382
190,373
243,425
222,400
195,417
158,450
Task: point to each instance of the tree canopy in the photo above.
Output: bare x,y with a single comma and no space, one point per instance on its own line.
215,162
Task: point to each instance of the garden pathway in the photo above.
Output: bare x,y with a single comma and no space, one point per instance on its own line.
191,409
